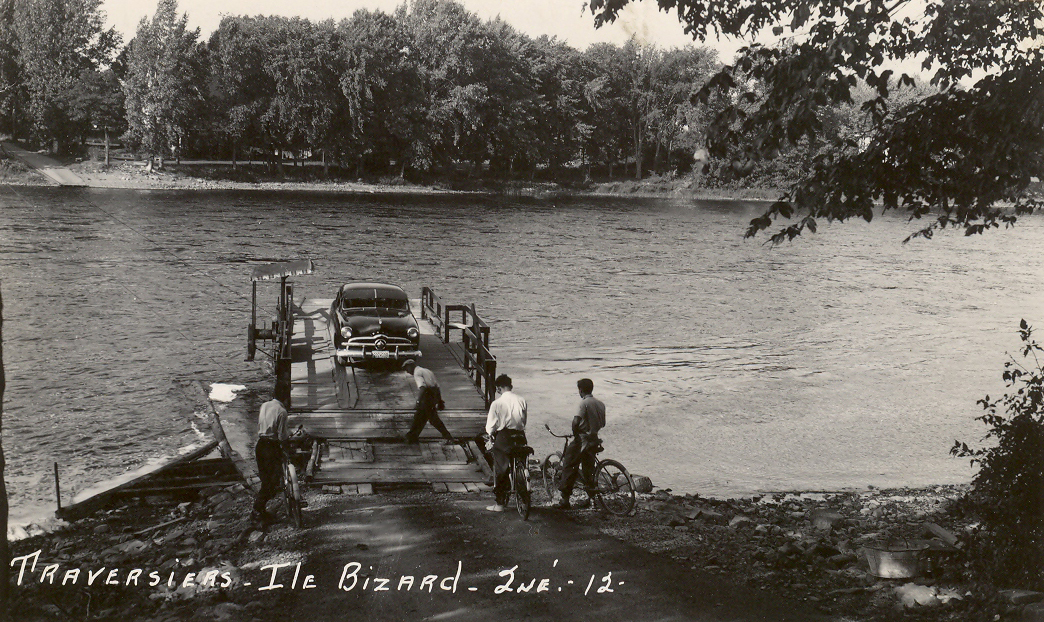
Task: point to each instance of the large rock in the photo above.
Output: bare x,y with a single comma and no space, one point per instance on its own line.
1021,597
739,520
1033,612
711,516
914,595
642,483
825,520
943,534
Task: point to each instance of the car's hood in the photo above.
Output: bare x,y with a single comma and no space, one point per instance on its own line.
372,324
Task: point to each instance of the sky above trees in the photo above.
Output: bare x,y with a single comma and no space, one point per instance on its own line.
565,19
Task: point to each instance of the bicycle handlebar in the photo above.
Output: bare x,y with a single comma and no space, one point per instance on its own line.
548,428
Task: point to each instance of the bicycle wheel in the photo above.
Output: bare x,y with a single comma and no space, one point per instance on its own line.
614,488
520,486
551,469
291,493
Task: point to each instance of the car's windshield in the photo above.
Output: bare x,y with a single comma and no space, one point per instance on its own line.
393,304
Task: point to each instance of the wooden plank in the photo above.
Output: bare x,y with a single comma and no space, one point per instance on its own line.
405,460
173,488
480,459
456,487
354,476
365,489
392,467
358,430
385,415
439,487
93,497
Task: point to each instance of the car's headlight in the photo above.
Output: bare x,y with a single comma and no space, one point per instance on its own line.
346,332
413,333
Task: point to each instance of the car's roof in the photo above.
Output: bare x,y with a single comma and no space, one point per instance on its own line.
381,290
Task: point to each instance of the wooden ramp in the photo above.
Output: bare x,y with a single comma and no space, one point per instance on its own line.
361,411
185,473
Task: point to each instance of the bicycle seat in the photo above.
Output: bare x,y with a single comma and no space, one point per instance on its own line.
522,452
599,449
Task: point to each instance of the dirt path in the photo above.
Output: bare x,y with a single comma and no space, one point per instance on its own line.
48,167
389,536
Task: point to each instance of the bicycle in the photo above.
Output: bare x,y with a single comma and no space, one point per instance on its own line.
519,477
612,488
299,448
291,492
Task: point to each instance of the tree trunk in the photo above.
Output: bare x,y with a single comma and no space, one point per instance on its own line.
234,144
638,151
106,147
5,549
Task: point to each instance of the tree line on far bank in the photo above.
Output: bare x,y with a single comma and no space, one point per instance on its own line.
425,89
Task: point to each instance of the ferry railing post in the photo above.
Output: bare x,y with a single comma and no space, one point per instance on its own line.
490,389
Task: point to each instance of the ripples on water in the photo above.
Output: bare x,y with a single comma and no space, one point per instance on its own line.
840,360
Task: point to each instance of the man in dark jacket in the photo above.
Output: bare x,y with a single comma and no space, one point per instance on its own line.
580,453
271,436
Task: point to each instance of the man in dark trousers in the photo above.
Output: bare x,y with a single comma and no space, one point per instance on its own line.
271,437
580,453
429,403
506,427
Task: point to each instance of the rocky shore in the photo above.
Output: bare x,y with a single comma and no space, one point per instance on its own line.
158,558
818,547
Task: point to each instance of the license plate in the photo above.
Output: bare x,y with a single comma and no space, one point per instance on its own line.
380,354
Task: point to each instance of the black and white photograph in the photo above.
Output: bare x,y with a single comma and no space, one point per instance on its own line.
470,310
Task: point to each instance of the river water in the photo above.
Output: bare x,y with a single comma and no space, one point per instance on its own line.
841,360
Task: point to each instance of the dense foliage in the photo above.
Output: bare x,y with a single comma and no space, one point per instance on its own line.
430,87
162,82
1009,486
50,51
960,154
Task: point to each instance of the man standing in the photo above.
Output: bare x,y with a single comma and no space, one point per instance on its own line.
429,403
271,435
506,425
581,450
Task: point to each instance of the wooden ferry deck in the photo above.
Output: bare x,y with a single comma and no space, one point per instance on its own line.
359,412
362,411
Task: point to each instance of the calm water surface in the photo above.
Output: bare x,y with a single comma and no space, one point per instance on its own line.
728,367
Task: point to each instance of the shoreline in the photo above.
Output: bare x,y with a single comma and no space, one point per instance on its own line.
133,176
805,548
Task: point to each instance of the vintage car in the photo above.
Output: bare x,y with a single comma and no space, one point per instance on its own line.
373,321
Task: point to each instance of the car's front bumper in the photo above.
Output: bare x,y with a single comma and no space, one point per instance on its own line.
389,354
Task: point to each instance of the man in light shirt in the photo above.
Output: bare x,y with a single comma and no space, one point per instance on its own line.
429,403
271,436
506,425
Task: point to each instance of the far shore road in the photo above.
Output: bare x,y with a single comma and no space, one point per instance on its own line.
133,175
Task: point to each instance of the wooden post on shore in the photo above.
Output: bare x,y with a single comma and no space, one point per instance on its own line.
57,489
5,548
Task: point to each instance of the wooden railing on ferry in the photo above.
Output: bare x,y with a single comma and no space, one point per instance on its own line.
431,310
479,363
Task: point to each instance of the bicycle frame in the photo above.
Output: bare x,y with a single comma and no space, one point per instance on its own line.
609,483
